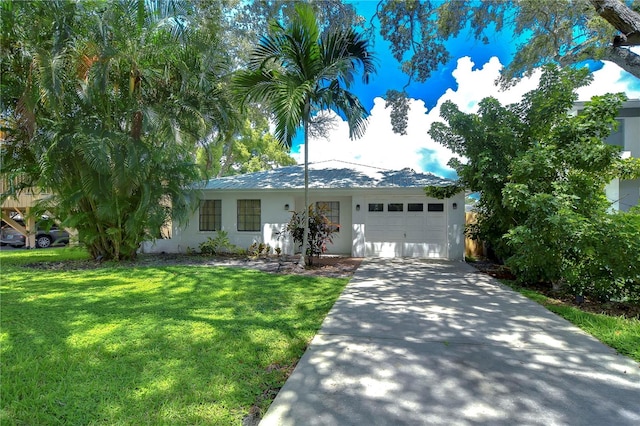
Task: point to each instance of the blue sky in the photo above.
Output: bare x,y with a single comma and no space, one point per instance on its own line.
466,79
389,75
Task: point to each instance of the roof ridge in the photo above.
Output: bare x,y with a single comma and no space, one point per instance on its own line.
349,163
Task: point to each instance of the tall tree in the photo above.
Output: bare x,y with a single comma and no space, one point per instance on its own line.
245,148
297,70
248,145
497,137
541,172
108,102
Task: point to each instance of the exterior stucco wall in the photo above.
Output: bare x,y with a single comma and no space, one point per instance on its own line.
351,240
341,239
455,227
274,218
623,194
632,136
628,193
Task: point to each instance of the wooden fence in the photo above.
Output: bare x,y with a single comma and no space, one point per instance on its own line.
472,247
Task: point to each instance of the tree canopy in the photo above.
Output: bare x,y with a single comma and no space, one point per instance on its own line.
117,108
562,32
541,172
245,148
103,107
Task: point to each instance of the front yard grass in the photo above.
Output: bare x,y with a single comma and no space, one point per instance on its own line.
148,345
617,331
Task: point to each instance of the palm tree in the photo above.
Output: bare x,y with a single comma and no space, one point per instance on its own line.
118,94
296,71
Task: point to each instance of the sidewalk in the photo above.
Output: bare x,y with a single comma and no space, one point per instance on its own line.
437,343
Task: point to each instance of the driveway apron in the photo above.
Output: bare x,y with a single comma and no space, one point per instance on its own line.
422,342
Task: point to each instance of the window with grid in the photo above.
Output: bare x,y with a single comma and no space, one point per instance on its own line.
210,215
331,209
248,215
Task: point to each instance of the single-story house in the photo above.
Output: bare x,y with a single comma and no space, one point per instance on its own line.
381,213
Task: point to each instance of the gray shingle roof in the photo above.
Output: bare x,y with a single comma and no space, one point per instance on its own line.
328,174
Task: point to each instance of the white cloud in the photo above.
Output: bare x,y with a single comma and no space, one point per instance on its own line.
381,147
609,79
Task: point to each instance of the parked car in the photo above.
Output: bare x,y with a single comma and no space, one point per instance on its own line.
47,234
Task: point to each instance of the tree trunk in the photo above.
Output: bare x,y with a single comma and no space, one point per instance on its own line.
623,18
624,58
627,21
305,237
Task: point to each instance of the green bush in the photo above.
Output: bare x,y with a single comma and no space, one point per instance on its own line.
597,256
611,265
218,245
259,249
321,231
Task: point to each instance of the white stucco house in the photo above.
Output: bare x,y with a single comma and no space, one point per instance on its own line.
381,213
623,194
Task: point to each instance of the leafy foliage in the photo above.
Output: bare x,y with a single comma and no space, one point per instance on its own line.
297,70
609,265
248,21
106,103
399,105
320,233
218,245
541,173
248,148
442,192
257,249
562,32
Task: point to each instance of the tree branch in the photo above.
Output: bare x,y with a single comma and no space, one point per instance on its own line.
623,18
624,58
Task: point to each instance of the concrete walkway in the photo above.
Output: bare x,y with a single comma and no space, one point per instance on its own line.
437,343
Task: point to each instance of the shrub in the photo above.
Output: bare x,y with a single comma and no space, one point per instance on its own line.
321,231
219,244
597,256
611,265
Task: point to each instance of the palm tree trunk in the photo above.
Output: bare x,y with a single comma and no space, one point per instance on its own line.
305,237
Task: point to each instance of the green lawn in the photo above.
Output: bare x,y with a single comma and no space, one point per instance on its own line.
148,345
618,332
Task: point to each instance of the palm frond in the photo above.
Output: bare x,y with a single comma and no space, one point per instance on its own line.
346,104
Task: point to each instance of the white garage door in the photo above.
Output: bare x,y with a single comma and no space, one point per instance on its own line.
407,228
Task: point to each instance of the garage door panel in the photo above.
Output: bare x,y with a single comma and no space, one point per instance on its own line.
413,222
384,249
436,220
428,250
404,233
396,237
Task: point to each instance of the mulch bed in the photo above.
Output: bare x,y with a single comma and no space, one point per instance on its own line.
325,266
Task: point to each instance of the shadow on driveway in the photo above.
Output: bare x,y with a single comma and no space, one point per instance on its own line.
435,342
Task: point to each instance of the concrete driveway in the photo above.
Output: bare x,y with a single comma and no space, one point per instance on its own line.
437,343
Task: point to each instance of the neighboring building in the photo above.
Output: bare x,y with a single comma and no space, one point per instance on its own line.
380,212
20,206
624,194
